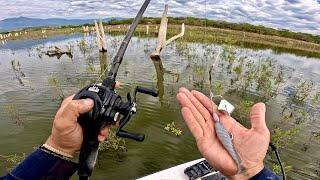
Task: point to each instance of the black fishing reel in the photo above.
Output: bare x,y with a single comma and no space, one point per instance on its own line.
109,109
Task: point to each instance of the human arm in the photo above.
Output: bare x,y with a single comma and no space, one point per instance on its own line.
65,139
251,144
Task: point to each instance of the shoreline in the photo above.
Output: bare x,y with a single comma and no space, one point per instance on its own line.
192,34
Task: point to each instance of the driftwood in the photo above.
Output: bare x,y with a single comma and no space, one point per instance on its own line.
58,52
162,35
101,38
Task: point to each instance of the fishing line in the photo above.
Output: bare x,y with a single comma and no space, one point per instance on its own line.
274,148
223,135
104,71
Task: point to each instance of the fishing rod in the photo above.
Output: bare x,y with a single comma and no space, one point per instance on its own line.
109,108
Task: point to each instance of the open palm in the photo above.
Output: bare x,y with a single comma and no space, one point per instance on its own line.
251,144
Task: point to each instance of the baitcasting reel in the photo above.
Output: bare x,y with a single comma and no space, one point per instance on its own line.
109,108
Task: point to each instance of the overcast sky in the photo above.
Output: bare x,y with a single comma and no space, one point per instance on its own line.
296,15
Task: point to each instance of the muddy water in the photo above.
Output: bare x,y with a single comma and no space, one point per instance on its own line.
27,88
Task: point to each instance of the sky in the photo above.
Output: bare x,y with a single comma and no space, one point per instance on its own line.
295,15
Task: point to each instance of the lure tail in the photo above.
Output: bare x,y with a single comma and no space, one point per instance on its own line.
226,141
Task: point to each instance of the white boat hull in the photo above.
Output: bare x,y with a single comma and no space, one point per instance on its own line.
173,173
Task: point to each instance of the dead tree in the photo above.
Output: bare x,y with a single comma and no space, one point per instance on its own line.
162,35
176,36
147,29
101,38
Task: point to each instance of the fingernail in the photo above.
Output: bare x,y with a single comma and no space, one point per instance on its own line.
215,117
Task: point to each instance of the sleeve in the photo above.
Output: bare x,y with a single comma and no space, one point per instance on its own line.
42,165
265,173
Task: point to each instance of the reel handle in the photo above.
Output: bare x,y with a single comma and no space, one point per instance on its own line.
130,135
144,90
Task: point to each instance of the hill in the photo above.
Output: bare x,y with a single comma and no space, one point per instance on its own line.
228,25
24,22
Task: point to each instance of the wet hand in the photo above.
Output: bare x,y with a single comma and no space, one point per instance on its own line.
251,144
67,134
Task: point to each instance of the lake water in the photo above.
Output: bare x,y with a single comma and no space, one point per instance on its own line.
27,96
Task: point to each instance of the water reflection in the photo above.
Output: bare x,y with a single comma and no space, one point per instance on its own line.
161,71
103,64
160,76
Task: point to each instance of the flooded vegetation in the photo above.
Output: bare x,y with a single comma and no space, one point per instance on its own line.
33,85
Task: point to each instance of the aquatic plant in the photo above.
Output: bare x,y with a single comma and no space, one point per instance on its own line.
85,46
56,84
16,67
302,92
171,127
14,114
316,99
198,76
12,160
281,137
113,142
276,168
242,111
228,54
219,88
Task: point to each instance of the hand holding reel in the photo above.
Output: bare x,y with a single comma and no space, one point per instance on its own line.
109,108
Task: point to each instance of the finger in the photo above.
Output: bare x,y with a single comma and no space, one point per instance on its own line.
192,123
207,103
227,121
185,102
103,134
258,117
204,111
117,84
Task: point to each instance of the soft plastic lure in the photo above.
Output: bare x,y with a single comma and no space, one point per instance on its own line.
225,139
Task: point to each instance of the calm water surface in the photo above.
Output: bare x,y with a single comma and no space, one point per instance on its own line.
35,99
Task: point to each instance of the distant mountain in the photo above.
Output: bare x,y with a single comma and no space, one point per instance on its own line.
24,22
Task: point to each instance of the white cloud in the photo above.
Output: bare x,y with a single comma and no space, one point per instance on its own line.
296,15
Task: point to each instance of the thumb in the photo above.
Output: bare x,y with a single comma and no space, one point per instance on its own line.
83,105
258,117
76,107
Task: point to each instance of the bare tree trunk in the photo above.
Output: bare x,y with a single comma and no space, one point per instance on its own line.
147,29
162,33
98,35
103,37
